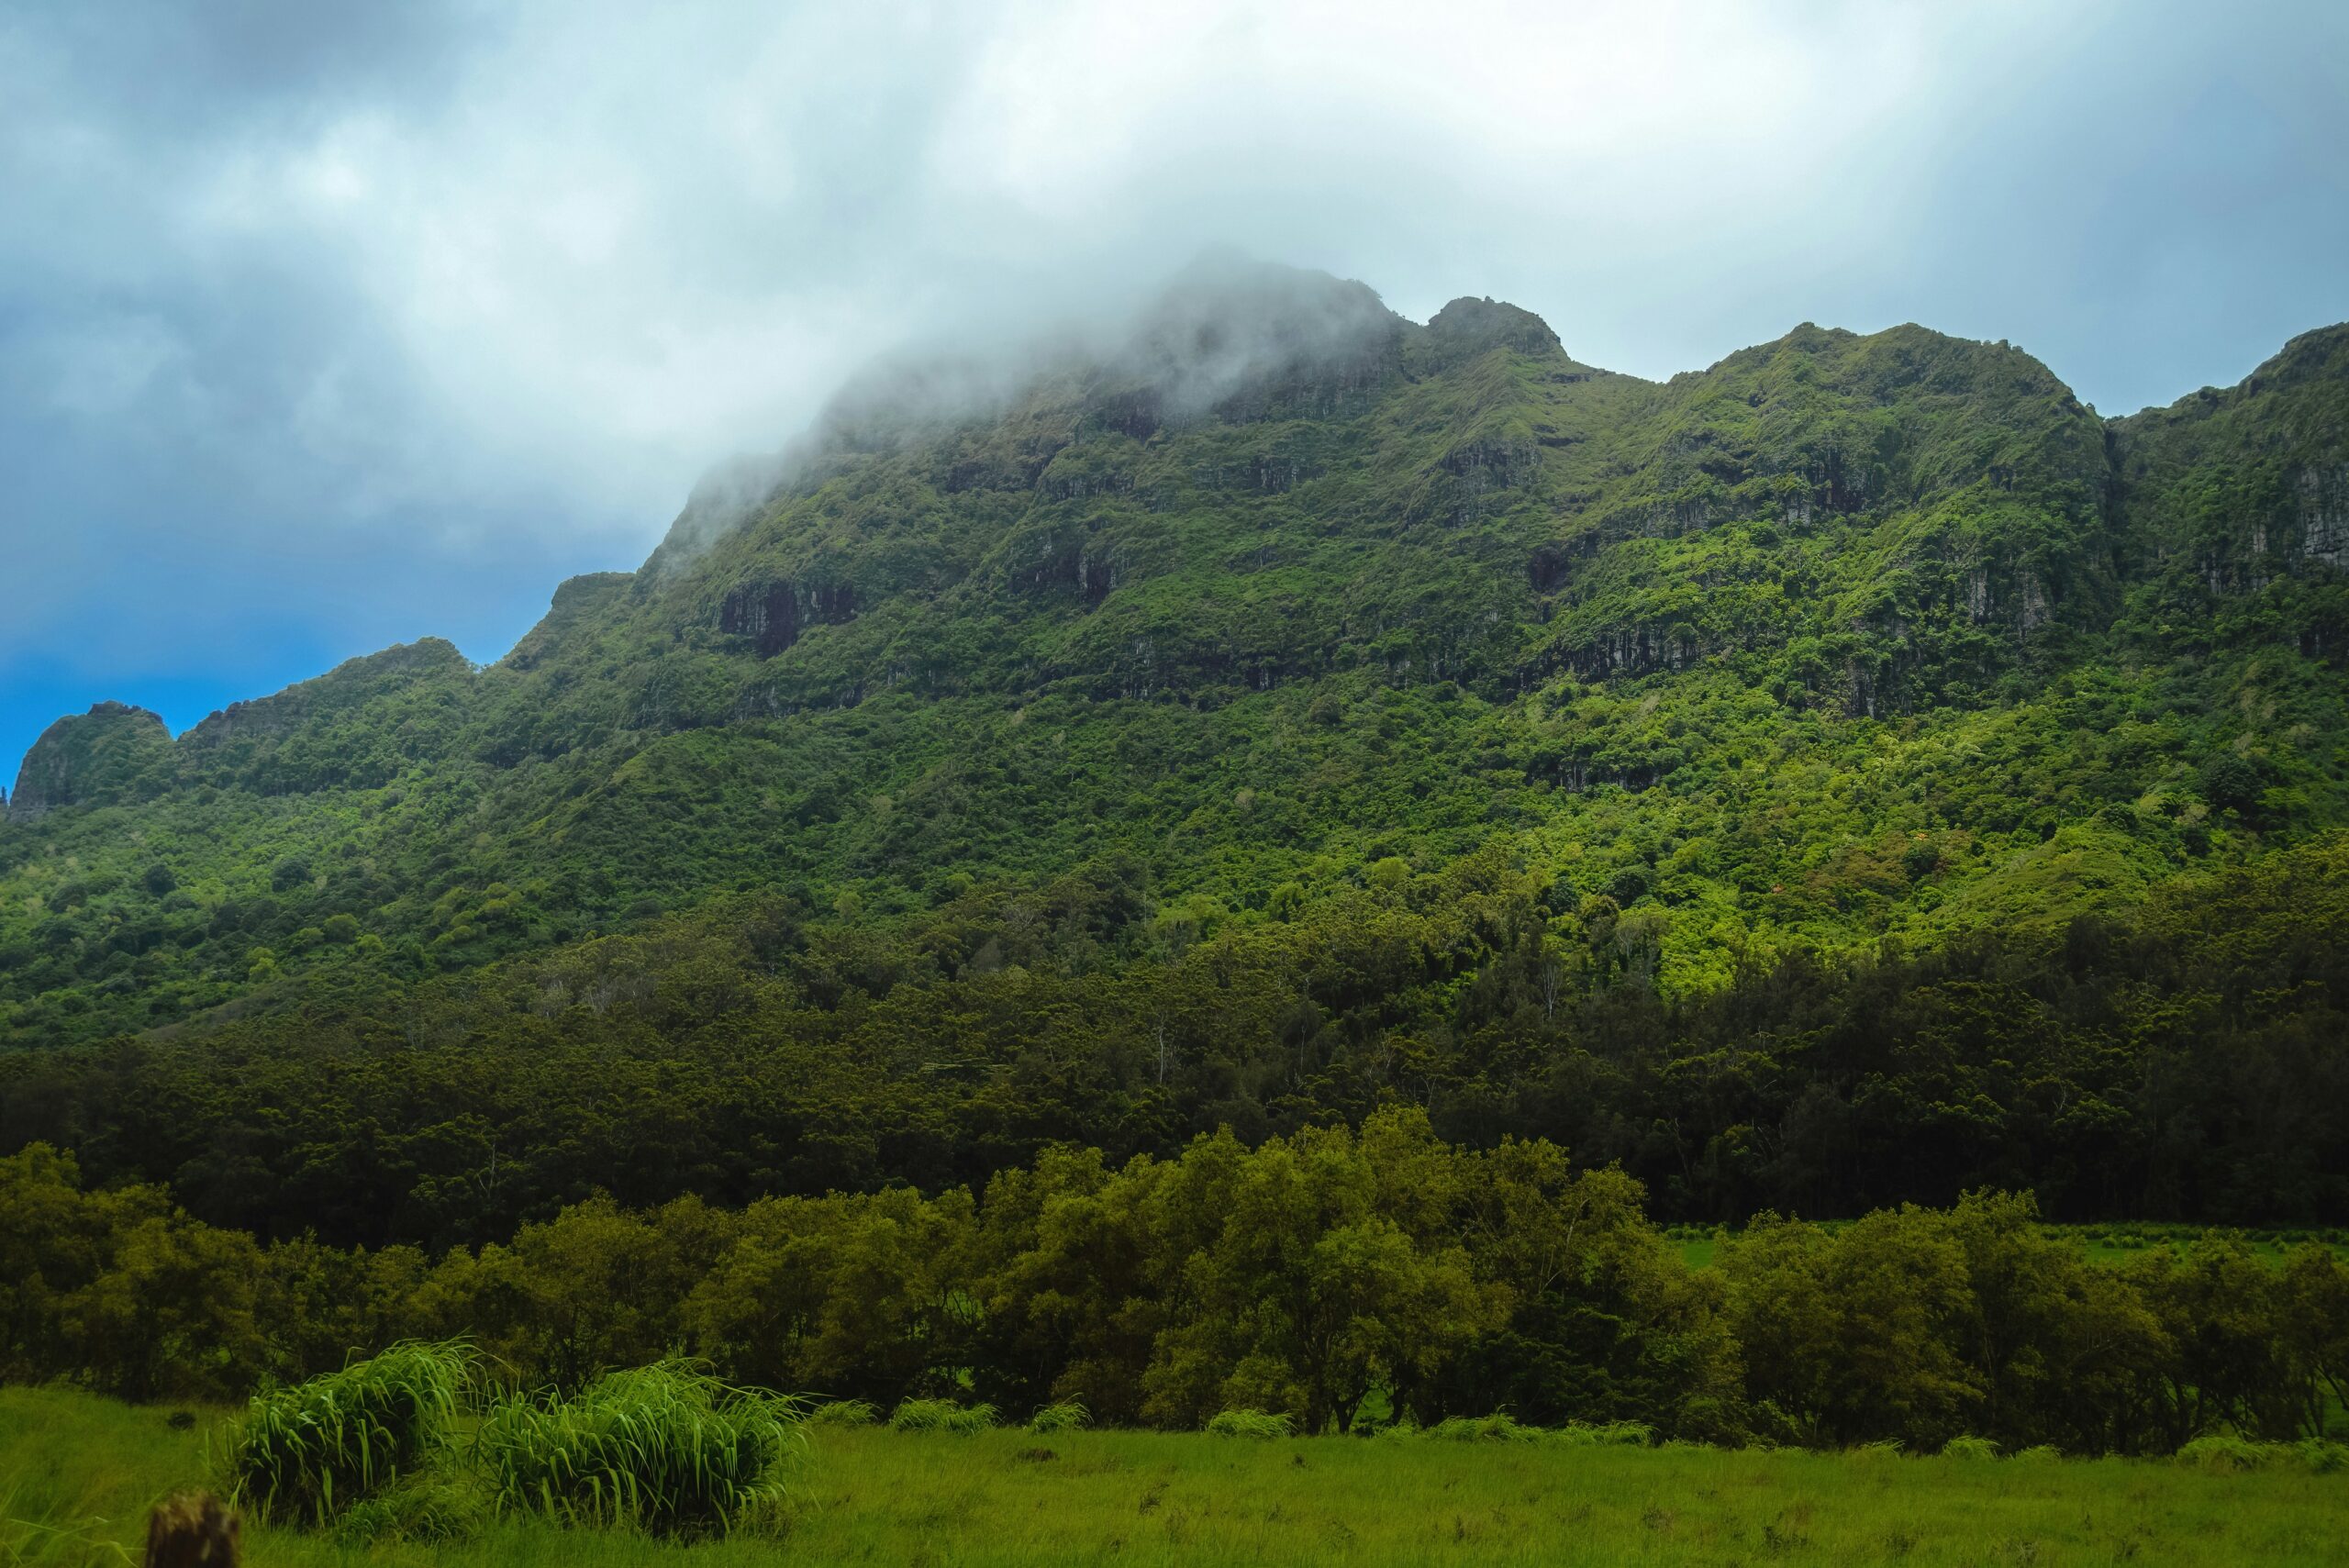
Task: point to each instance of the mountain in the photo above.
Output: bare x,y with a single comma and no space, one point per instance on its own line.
1286,707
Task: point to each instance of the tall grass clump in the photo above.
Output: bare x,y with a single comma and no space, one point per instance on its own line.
302,1454
2322,1456
942,1415
844,1413
1067,1416
1603,1434
1500,1427
1249,1424
665,1448
2222,1453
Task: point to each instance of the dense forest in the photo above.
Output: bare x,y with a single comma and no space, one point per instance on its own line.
2186,1060
1855,773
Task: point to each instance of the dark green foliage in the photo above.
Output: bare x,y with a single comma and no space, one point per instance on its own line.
1338,1280
2186,1060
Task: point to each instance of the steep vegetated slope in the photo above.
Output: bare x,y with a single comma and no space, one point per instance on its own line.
1816,780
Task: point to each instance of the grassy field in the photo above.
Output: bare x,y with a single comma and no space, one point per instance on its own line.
77,1473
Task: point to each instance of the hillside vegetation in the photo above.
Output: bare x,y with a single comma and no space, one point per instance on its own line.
1853,772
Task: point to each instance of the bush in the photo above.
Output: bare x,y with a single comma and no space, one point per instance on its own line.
942,1415
2223,1454
1249,1424
1603,1434
1067,1416
2040,1454
2322,1457
1497,1428
1969,1448
430,1508
303,1454
666,1447
844,1413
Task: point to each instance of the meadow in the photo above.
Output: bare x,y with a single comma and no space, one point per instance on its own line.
77,1473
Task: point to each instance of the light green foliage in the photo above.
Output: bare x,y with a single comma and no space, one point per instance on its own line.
1482,1428
1066,1416
942,1415
843,1413
441,1504
1744,636
1248,1424
310,1453
1606,1434
666,1448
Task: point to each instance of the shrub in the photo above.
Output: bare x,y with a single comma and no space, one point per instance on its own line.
2040,1454
1969,1448
302,1454
666,1447
432,1507
1249,1424
942,1415
1500,1427
1603,1434
1067,1416
2223,1454
844,1413
2320,1456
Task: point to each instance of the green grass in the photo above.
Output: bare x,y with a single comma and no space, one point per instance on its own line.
871,1495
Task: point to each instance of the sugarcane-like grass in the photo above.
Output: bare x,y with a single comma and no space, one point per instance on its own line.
304,1454
665,1448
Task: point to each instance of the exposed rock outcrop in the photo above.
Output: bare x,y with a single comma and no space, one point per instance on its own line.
773,614
2324,514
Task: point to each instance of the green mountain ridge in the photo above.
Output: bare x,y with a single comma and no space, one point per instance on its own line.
1846,645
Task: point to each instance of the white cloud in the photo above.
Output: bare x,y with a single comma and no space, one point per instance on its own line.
608,248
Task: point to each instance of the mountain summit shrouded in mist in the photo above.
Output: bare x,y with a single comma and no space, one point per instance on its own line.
328,330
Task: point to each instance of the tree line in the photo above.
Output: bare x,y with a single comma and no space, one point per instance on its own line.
1350,1279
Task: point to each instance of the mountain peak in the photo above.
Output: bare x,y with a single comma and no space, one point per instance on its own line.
106,755
1469,326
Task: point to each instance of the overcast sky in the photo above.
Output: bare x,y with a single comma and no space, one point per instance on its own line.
324,327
